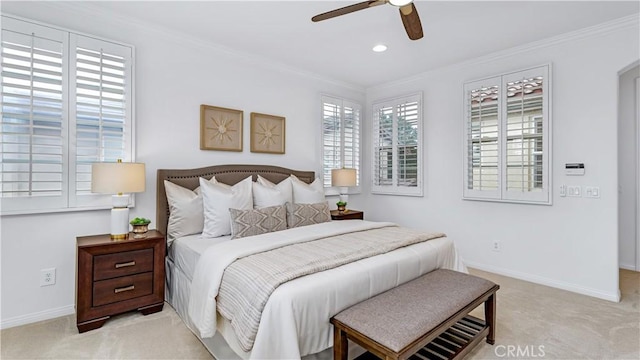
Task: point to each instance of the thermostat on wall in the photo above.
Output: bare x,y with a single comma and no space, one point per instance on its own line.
574,168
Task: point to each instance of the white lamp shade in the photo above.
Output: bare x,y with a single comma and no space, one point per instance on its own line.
343,177
117,178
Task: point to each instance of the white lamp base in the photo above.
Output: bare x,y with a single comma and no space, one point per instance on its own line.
344,197
120,217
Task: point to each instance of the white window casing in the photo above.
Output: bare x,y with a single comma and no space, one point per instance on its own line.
507,137
397,138
67,101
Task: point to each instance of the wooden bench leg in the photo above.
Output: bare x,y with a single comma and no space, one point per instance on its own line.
340,344
490,318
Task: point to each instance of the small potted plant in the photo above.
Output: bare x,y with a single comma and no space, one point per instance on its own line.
342,206
140,226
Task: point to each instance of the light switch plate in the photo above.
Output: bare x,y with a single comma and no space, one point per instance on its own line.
592,192
574,191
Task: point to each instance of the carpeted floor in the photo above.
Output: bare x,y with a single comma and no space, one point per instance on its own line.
534,321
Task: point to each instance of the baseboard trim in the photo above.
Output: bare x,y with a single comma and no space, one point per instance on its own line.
37,316
615,297
628,267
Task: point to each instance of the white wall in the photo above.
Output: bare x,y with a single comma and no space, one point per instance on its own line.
627,166
571,244
174,76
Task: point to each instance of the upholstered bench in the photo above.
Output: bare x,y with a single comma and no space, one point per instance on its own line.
428,315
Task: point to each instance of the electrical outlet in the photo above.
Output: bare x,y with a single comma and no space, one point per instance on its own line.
47,277
497,246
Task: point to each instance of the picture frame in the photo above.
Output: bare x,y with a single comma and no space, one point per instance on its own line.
267,133
220,128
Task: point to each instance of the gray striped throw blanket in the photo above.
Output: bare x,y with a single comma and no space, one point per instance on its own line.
249,281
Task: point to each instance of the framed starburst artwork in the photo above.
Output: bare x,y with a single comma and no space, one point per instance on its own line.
220,128
267,133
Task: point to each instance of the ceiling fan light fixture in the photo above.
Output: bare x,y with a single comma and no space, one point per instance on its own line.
408,14
400,3
380,48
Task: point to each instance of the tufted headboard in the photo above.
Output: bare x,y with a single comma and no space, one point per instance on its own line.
227,174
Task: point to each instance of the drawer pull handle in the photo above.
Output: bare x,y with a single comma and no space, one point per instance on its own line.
123,289
121,265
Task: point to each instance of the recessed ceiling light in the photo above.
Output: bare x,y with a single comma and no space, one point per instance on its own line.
380,48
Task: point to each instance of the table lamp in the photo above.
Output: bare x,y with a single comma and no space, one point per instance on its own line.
343,178
119,178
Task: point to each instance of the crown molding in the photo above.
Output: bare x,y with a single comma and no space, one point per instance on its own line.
602,29
85,8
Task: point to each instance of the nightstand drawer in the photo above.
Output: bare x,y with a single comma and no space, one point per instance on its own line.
122,288
121,264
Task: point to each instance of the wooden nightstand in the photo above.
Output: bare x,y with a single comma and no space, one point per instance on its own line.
116,276
347,215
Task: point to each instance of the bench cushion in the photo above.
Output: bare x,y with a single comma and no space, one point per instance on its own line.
401,315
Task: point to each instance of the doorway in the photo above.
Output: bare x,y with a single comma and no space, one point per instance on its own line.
629,167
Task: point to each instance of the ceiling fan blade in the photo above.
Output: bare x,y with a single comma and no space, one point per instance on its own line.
347,9
411,21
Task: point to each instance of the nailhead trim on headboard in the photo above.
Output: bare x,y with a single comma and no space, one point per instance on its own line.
228,174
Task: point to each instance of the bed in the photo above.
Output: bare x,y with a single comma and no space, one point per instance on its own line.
295,320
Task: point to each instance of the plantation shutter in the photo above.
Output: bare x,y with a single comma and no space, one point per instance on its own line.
482,170
383,146
507,137
102,114
34,107
66,103
397,142
526,145
331,137
407,144
340,137
351,138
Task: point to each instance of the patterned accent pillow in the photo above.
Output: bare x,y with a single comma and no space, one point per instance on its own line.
307,214
257,221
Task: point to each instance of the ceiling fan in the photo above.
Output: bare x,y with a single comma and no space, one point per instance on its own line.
408,14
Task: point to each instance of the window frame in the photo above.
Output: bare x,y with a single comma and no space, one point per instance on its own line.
501,193
69,201
340,101
394,188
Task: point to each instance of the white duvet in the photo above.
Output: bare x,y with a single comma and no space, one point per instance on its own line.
295,320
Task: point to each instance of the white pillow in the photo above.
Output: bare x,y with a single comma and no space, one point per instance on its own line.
217,199
304,193
266,193
186,214
264,196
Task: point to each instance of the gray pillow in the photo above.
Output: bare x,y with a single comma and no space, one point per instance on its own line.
307,214
257,221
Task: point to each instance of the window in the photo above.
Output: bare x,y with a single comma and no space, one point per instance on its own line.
66,102
397,144
507,137
340,137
